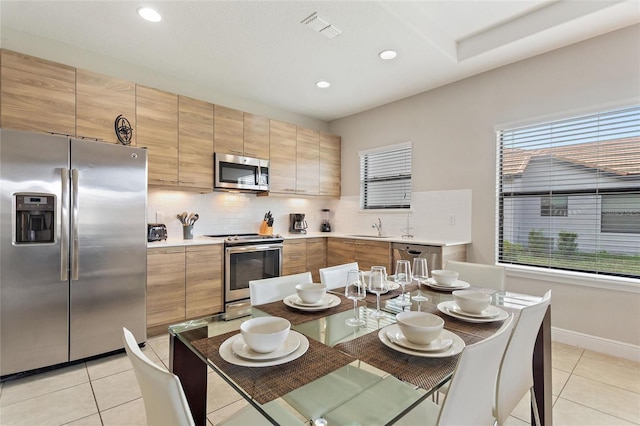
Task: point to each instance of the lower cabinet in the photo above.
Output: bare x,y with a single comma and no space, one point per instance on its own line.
366,252
183,283
304,254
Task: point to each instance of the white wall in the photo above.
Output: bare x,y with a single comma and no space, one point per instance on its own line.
453,132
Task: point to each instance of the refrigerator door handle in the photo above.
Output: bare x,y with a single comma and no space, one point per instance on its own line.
75,264
64,225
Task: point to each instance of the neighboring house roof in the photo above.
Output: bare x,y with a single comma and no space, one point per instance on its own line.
619,156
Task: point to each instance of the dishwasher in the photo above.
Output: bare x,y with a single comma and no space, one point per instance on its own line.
403,251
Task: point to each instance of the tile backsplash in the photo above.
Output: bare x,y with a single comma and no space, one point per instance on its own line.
435,215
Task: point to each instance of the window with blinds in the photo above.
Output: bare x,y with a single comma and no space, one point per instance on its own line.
385,178
569,194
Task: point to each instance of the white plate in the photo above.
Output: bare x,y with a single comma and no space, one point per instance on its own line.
490,312
454,349
395,336
331,300
241,349
320,302
226,353
390,286
459,284
447,308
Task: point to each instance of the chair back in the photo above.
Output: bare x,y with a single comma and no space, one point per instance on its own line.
277,288
164,399
478,275
336,276
469,400
516,374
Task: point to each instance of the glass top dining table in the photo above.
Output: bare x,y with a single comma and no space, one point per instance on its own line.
333,373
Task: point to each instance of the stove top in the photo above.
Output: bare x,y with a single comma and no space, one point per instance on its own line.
230,239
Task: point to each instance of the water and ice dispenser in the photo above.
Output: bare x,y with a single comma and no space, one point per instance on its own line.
35,218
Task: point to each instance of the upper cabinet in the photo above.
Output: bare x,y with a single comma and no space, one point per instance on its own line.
282,157
256,136
181,133
195,143
307,161
37,95
100,99
228,131
157,128
330,149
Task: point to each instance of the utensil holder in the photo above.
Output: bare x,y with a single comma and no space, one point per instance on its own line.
265,229
187,232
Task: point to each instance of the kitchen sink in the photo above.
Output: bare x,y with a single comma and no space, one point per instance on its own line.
370,236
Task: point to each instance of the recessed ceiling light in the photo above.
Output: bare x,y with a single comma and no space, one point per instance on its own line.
149,14
323,84
388,54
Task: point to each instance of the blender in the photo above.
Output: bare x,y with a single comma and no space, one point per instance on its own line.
326,225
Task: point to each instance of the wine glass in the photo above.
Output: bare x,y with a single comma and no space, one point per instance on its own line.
403,277
420,274
377,285
355,290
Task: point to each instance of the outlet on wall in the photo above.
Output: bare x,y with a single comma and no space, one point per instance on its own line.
159,217
452,219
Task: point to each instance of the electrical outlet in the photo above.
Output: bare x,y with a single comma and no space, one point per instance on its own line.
452,219
159,217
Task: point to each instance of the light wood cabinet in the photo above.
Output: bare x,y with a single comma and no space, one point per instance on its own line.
294,256
228,130
37,95
165,285
316,256
373,253
256,136
340,251
307,161
195,143
330,151
203,280
157,128
366,252
183,283
100,99
282,157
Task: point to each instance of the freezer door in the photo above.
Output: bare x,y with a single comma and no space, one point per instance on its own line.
108,246
34,290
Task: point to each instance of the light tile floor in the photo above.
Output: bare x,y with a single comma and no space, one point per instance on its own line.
588,389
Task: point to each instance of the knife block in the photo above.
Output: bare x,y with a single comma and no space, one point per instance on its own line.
265,229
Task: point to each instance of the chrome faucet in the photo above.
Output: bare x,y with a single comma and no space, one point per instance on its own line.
378,226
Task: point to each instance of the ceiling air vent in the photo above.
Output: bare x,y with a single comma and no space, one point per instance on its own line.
321,25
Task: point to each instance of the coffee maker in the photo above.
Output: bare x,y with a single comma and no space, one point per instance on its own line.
297,224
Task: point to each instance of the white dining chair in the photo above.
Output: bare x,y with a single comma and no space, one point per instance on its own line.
515,377
472,387
478,275
336,276
277,288
166,404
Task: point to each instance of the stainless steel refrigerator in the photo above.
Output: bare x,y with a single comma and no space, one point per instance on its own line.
72,249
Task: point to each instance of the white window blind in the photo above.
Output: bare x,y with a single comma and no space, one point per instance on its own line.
385,178
569,194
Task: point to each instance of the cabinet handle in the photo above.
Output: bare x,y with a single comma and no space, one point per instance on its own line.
236,152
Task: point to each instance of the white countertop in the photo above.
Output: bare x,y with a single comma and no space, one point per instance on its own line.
177,242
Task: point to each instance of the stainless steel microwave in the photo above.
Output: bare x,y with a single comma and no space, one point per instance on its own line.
234,172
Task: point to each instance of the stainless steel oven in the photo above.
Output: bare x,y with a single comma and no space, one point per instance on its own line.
248,257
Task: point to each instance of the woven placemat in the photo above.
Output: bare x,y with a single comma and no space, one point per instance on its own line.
265,384
419,371
296,316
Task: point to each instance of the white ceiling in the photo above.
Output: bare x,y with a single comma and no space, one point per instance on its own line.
260,50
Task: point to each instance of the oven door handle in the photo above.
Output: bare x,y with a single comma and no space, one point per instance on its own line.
261,247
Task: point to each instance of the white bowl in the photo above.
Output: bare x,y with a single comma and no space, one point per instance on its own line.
444,277
420,328
472,301
265,334
311,293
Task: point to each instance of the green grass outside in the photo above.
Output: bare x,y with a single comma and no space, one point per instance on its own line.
628,265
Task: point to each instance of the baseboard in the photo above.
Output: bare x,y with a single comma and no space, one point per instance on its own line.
596,344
